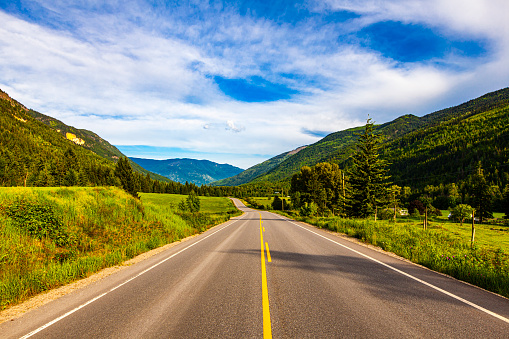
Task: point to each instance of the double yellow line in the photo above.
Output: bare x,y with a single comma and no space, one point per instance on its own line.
267,328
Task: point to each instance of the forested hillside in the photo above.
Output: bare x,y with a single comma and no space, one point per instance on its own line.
34,154
253,172
31,154
82,137
335,147
450,151
443,146
38,150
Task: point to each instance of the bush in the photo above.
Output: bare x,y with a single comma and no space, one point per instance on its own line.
308,209
435,212
38,220
385,214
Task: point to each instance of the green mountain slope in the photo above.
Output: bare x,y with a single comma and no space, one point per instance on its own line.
82,137
32,154
256,170
450,151
199,172
35,150
337,147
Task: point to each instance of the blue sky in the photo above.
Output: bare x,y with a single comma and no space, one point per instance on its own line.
240,81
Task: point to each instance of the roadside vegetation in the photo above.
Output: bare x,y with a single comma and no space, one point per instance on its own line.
52,236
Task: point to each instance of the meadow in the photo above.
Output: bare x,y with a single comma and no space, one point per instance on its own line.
53,236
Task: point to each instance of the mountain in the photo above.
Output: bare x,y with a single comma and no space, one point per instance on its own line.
422,149
199,172
253,172
449,151
82,137
335,147
38,150
33,154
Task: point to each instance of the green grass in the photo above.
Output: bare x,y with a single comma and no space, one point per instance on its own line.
208,204
53,236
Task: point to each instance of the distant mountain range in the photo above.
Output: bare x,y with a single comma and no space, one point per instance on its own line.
257,170
440,147
199,172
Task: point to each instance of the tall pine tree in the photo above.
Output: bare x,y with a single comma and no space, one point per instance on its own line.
367,177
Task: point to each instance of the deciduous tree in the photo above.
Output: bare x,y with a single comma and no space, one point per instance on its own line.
481,195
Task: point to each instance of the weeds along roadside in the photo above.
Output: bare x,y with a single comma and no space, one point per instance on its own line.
52,236
485,267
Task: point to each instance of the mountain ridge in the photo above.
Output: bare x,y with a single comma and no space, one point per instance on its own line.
337,147
199,172
62,136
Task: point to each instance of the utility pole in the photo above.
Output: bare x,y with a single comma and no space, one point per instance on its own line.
282,200
473,229
344,194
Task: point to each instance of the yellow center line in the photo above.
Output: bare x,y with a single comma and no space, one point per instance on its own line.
267,328
268,252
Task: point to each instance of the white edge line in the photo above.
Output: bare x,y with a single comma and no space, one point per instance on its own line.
480,308
122,284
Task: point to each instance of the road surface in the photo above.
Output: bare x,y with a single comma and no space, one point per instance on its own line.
262,275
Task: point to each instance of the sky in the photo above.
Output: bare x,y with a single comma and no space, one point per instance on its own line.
239,82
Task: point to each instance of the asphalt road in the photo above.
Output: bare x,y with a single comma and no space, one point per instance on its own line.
222,284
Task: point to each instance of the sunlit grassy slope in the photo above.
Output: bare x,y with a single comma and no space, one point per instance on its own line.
52,236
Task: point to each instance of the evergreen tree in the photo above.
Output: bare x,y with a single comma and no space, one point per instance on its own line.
193,202
124,172
368,177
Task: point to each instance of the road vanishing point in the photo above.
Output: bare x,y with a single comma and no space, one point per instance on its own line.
261,275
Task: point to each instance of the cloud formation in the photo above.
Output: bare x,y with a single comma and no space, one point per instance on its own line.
182,76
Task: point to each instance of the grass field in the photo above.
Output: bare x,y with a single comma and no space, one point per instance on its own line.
53,236
486,235
208,204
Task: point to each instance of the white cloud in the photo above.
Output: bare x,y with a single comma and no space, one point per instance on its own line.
232,127
139,77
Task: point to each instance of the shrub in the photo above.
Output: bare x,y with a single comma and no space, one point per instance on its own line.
38,220
308,209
